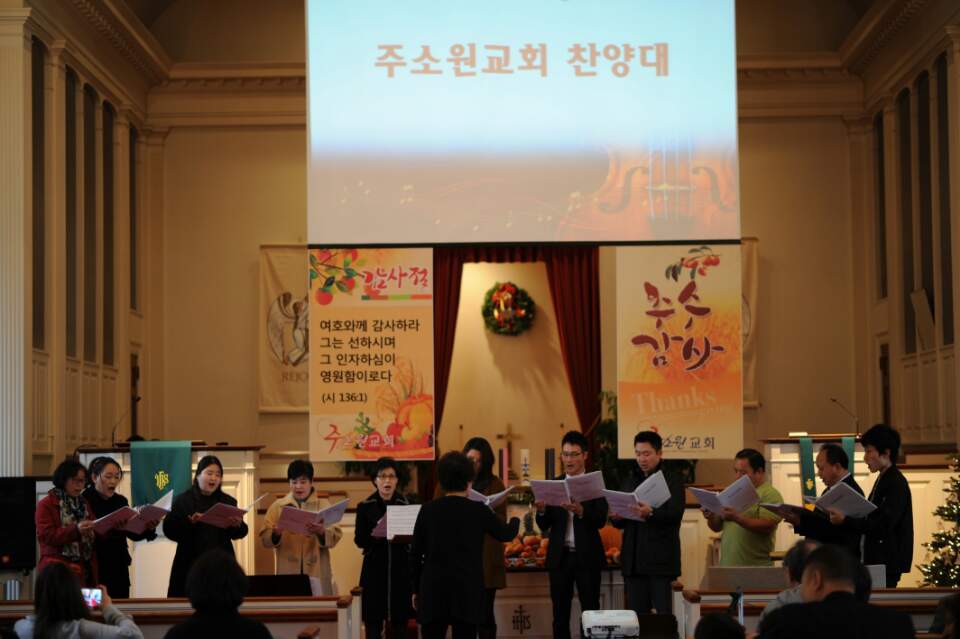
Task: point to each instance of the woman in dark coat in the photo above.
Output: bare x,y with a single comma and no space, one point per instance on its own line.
478,451
113,556
447,553
65,524
195,538
373,574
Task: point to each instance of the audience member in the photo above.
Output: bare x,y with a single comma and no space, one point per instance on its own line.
216,585
831,607
60,611
793,562
718,626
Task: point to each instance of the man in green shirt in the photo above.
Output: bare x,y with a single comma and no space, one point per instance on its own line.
748,536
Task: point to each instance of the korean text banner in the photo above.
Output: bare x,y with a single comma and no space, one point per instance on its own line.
529,121
371,365
679,354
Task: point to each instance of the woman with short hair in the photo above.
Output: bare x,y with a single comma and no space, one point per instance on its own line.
447,553
216,586
64,522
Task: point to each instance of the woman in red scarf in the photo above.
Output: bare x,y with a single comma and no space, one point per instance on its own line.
65,524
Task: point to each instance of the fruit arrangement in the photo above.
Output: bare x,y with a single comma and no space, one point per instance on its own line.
529,550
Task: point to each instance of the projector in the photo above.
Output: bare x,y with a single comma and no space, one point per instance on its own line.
610,623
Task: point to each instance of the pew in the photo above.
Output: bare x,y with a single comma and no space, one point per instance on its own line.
285,617
690,605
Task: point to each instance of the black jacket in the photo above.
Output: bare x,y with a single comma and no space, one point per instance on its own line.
446,558
653,547
840,614
113,557
218,624
373,574
586,532
817,526
888,531
195,539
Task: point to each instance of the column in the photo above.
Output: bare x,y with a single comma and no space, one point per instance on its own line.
953,100
15,235
152,216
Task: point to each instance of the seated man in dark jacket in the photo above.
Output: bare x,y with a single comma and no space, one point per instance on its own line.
831,607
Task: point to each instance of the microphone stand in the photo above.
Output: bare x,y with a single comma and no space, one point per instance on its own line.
853,416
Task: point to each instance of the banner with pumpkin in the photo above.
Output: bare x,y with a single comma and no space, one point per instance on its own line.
371,366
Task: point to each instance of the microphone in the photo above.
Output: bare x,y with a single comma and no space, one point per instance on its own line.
113,431
856,420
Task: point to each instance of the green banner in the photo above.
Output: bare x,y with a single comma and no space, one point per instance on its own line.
156,468
849,447
808,483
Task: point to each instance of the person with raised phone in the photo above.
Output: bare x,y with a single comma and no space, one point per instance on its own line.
748,534
650,555
61,611
193,536
575,552
306,553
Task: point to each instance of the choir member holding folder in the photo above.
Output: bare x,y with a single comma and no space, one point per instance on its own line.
305,551
113,556
650,556
382,603
478,451
447,553
193,536
64,522
575,552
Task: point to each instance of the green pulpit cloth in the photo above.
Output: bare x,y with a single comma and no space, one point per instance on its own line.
808,483
849,446
157,468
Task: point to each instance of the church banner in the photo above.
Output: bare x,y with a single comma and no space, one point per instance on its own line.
284,349
371,372
156,468
679,348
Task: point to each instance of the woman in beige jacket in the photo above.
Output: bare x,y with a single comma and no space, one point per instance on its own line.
297,553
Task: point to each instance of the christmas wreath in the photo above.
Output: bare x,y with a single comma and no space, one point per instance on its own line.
508,309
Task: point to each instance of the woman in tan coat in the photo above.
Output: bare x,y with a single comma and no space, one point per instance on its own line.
297,553
478,450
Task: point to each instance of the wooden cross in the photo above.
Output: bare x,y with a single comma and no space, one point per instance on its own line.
508,437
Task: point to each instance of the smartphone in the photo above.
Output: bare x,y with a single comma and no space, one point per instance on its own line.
92,596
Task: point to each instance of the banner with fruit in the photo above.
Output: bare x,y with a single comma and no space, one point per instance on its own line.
371,369
679,352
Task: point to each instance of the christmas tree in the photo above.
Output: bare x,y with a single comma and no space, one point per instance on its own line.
944,569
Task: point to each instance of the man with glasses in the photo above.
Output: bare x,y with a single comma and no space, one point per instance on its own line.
575,552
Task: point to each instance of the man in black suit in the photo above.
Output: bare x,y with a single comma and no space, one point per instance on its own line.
833,467
831,608
575,553
888,530
650,557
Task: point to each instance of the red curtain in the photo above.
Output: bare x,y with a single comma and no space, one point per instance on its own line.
574,279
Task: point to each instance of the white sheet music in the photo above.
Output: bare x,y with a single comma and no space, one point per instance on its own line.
845,499
583,488
739,495
552,492
622,504
490,500
401,520
653,491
